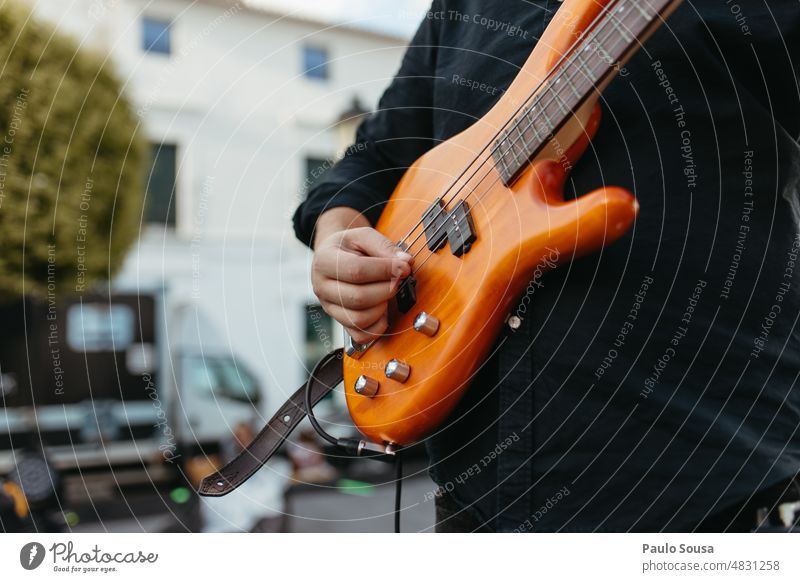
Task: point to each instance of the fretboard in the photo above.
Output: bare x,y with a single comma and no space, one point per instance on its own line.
600,55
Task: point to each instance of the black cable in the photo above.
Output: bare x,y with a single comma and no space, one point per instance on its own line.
354,447
398,490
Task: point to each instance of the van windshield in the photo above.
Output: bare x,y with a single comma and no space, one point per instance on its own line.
224,377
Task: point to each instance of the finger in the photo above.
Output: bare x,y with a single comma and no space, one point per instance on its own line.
371,333
352,268
355,319
372,243
357,297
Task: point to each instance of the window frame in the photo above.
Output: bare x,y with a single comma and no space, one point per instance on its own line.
315,164
320,71
171,221
160,45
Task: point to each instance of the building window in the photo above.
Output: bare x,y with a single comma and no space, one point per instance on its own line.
315,170
319,335
161,185
315,62
156,36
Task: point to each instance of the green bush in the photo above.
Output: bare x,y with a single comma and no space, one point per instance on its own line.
70,163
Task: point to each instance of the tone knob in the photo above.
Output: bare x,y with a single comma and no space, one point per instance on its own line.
397,370
427,324
366,386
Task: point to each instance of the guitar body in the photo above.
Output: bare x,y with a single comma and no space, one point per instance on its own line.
519,229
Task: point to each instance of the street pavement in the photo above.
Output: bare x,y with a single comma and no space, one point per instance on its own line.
357,503
363,509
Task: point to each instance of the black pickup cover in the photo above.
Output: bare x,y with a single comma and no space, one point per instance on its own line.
433,222
460,230
455,226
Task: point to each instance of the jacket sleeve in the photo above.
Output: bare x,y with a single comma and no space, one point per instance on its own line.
387,142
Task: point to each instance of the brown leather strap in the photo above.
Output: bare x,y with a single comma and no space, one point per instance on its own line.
273,435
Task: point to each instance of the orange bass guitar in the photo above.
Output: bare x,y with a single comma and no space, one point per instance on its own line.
483,210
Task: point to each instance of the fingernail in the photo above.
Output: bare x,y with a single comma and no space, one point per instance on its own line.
402,255
401,270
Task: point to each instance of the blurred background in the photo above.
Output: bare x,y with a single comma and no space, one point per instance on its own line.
155,306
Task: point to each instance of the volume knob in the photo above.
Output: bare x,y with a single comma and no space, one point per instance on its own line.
427,324
366,386
397,370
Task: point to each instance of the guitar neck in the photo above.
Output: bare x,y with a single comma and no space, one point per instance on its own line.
621,29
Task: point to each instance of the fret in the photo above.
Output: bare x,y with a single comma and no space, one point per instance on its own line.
511,156
505,173
513,151
495,152
509,149
560,102
525,142
499,150
583,66
521,146
618,27
503,158
572,85
499,164
518,127
543,129
530,117
640,9
598,50
548,121
518,159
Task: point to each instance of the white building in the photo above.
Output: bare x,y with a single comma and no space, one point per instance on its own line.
238,104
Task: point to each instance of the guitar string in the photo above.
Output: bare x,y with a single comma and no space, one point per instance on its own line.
488,189
554,80
513,141
590,32
489,172
494,143
534,93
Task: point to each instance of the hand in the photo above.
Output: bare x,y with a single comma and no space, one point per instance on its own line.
356,270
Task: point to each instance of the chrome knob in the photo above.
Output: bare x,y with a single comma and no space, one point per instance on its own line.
366,386
397,370
427,324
